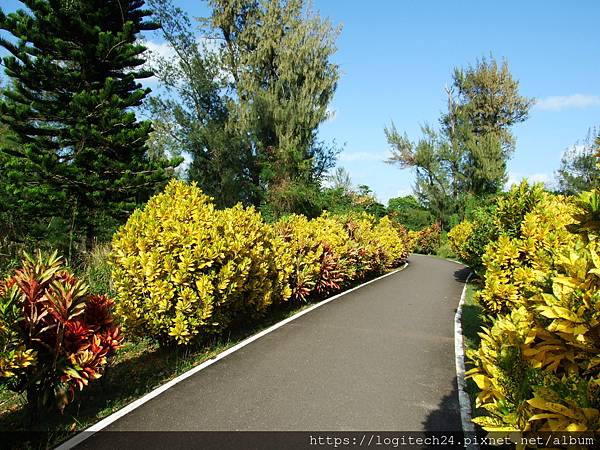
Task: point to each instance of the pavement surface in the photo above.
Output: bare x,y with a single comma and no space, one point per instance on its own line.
379,358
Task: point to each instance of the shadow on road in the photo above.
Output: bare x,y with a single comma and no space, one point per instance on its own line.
447,416
444,422
461,274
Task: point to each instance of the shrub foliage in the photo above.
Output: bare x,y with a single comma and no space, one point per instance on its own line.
54,337
184,270
427,240
537,367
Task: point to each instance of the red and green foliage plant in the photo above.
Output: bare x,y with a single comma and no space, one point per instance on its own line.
427,240
54,337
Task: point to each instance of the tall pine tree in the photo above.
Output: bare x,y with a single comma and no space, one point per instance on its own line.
73,66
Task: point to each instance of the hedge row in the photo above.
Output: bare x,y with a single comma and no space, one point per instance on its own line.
537,366
183,270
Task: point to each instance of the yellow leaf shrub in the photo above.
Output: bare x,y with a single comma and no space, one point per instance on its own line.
426,241
487,223
517,267
377,246
458,237
538,366
328,251
316,251
512,207
183,269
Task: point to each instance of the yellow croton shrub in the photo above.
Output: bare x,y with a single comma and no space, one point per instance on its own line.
538,364
182,268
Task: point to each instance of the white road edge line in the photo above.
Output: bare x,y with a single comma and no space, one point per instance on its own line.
463,398
88,432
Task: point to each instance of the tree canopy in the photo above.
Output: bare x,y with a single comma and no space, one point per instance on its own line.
468,155
252,90
73,68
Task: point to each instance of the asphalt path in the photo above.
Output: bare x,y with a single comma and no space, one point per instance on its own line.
379,358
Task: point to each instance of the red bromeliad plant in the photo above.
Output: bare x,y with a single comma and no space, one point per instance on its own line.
55,337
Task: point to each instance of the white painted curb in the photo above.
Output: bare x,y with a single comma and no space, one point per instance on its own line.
463,398
85,434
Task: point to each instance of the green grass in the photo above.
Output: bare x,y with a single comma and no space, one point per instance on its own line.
472,321
471,318
138,368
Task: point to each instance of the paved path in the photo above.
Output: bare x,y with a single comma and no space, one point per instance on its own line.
380,358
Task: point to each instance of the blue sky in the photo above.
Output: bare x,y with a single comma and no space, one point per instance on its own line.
396,56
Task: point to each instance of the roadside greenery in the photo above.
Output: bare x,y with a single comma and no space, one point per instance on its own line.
55,338
167,263
184,270
184,273
536,367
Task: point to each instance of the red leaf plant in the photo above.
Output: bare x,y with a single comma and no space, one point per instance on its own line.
70,332
331,274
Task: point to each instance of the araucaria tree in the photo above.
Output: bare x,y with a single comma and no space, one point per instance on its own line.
468,156
73,66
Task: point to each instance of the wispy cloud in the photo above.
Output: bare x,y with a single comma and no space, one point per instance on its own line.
562,102
363,156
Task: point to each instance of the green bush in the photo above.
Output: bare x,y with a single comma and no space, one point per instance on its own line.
445,250
97,270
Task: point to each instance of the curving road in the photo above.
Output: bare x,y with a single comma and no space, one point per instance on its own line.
379,358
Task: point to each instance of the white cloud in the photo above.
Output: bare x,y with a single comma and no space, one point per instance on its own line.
160,50
156,51
562,102
364,156
516,178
